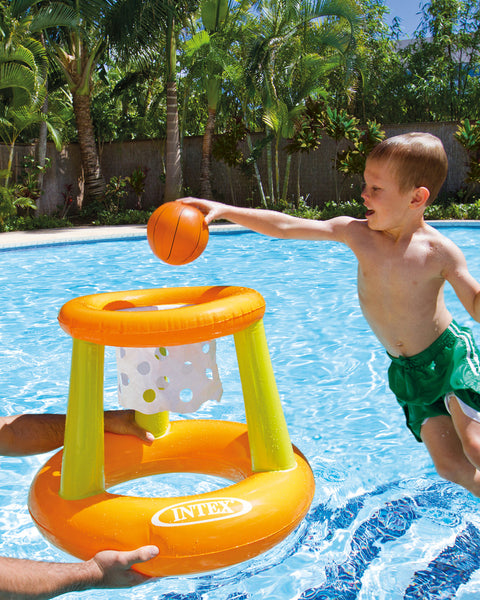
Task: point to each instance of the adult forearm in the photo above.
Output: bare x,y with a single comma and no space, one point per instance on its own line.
27,579
22,435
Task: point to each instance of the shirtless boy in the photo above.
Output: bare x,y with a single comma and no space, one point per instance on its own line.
403,264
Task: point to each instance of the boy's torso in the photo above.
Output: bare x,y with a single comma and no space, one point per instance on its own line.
400,287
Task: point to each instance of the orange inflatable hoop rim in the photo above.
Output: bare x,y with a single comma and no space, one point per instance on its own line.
146,318
197,533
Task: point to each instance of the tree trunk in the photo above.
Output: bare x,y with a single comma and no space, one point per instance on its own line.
286,178
258,177
94,181
42,147
41,156
173,158
271,188
299,191
173,167
205,168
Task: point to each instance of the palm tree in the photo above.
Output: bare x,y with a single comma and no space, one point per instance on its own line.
295,43
23,68
222,20
142,28
77,51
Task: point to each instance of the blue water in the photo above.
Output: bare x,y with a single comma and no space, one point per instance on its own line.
382,525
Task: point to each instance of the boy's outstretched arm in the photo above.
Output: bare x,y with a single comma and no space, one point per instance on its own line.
466,287
29,579
273,223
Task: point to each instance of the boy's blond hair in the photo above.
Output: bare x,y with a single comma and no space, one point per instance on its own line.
419,160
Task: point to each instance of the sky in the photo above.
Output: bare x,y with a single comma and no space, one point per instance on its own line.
406,11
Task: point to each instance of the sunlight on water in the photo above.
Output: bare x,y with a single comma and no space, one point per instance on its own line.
382,525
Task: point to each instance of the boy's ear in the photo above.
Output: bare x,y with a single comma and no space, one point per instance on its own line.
420,197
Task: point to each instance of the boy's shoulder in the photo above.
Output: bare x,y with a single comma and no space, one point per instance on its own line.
441,245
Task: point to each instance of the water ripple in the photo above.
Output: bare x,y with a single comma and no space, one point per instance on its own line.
382,527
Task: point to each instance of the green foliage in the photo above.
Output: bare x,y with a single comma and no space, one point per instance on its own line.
28,184
24,193
339,125
308,127
352,161
468,134
137,183
453,210
123,217
7,206
11,198
28,223
226,146
318,119
112,202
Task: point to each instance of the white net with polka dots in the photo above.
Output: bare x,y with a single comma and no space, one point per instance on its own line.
175,378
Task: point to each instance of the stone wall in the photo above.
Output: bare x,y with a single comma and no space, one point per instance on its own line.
316,180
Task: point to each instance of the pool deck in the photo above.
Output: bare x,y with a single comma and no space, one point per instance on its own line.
46,237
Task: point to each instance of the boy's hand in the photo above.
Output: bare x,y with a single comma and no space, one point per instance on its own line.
123,423
212,210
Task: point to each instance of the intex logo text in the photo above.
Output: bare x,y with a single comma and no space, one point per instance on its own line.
192,512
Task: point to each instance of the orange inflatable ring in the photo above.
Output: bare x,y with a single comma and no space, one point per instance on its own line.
102,318
195,533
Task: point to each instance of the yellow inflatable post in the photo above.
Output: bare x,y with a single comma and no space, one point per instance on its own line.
270,445
83,455
158,423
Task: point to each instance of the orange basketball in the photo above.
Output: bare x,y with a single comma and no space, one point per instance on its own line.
177,233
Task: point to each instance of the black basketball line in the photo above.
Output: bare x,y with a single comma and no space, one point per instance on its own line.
196,244
156,224
175,232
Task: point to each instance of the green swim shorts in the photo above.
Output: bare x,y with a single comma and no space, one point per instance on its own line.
420,382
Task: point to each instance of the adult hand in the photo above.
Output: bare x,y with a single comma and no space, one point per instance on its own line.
114,569
21,578
123,423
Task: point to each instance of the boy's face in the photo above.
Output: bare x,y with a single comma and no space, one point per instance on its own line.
387,206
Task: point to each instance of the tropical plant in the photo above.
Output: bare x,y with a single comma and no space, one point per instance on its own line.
294,46
221,20
226,148
23,71
468,134
25,193
356,86
15,120
137,183
11,198
144,29
440,70
352,160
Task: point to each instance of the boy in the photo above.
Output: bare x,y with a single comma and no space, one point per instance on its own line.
403,264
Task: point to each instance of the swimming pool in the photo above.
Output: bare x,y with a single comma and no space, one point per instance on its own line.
382,525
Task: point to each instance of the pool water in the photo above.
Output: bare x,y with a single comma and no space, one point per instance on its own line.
382,525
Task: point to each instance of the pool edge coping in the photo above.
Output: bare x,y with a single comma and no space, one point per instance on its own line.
12,240
48,237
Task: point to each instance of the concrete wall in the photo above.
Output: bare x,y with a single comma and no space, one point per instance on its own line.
317,176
